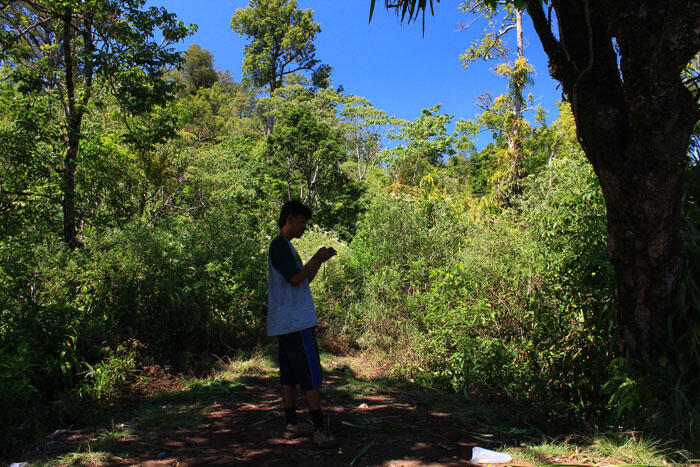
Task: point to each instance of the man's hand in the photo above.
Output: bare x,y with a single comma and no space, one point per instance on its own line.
309,270
325,253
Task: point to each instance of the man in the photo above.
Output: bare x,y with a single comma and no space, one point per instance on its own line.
292,318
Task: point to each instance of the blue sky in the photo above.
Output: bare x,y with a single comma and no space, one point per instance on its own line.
394,66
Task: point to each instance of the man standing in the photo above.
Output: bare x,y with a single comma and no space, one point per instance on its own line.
292,318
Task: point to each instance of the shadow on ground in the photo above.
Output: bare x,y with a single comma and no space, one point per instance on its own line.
378,422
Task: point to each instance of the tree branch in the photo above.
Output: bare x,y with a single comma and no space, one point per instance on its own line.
559,65
16,193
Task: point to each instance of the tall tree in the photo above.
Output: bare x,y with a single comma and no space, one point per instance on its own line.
308,151
364,127
304,153
281,43
69,48
620,63
504,18
424,143
198,68
508,127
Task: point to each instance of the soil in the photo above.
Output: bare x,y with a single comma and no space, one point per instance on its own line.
379,427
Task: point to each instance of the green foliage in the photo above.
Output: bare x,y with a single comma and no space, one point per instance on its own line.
73,50
364,127
183,290
491,44
108,378
306,154
517,307
198,69
281,40
424,144
225,108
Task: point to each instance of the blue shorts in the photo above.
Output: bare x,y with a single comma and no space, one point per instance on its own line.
299,361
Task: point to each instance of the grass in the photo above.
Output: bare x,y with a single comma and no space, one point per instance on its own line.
156,417
629,450
113,441
599,450
253,363
79,458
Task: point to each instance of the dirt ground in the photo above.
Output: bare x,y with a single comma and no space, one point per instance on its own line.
376,427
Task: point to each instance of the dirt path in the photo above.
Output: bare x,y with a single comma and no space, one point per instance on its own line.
236,425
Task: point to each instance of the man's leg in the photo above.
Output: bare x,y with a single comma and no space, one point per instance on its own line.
312,382
289,396
288,382
313,400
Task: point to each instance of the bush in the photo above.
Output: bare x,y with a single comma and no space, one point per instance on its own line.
184,289
517,305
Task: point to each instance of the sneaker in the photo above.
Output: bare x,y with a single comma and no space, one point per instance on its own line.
324,439
300,429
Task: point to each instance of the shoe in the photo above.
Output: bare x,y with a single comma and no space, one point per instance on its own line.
324,439
300,429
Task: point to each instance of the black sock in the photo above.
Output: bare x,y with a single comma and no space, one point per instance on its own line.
290,415
317,418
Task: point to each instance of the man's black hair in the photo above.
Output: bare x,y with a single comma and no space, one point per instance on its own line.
293,208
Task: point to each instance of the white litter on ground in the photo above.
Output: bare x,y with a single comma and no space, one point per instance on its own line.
485,456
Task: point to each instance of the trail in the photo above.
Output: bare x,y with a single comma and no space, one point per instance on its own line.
376,425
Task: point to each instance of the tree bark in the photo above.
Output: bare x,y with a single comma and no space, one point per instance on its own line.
634,122
73,124
70,234
515,137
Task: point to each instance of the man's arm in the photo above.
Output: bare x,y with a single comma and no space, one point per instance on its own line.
310,269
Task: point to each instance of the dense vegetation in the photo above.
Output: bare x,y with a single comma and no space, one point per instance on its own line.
484,270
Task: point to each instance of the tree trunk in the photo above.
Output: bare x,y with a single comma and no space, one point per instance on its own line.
633,118
642,175
515,138
70,234
643,193
73,123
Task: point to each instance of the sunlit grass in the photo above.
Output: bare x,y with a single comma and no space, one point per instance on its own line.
258,362
629,450
79,458
546,453
601,450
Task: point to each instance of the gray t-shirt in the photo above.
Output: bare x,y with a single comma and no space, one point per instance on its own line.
289,308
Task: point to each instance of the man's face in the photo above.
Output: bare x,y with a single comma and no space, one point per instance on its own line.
298,225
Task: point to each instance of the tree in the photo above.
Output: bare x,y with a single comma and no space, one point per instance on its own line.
224,109
310,152
198,69
364,128
519,72
620,63
297,93
281,43
72,48
424,144
29,187
510,132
